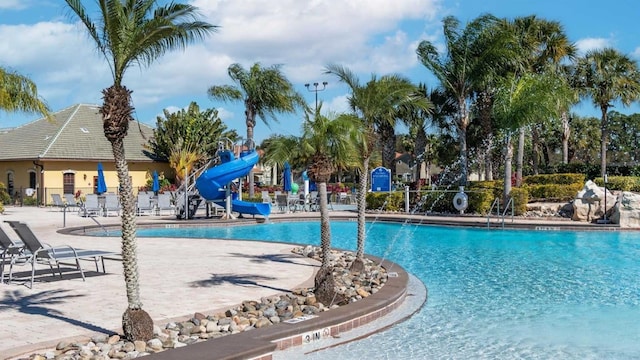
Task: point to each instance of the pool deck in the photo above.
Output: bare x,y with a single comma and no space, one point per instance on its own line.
177,277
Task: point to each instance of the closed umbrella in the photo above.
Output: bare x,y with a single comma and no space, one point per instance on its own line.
156,183
286,181
102,185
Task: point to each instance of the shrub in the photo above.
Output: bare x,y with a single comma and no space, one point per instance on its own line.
620,183
385,201
553,192
29,201
480,201
559,179
520,197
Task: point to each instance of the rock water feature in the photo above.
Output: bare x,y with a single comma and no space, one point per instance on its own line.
251,314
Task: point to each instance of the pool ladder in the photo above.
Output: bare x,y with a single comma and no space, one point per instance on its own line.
501,216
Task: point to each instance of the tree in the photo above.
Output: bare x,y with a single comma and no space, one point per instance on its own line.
607,76
265,92
471,55
522,100
540,47
380,100
326,140
128,33
189,131
18,93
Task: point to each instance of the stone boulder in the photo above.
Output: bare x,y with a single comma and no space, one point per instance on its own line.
589,203
626,213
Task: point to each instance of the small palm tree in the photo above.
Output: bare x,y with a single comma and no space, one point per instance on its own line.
127,33
18,93
265,92
606,76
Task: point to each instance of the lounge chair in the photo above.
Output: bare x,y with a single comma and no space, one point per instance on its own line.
91,206
57,201
10,251
144,204
164,204
37,252
111,204
70,199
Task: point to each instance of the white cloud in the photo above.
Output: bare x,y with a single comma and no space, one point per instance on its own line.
14,4
636,53
588,44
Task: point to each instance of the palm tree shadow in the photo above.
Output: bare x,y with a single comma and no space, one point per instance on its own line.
281,258
36,304
237,279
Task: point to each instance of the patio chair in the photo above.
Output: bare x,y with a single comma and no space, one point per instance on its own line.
144,204
57,201
91,206
282,202
266,198
164,204
111,204
10,251
70,199
38,252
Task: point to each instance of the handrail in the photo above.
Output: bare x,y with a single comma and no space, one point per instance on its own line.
496,204
506,208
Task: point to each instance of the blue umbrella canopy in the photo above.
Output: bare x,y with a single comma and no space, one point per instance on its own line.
286,177
102,185
156,182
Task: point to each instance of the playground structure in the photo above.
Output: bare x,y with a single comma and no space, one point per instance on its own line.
213,184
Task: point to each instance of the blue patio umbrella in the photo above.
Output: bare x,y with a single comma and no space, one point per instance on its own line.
286,177
102,185
156,183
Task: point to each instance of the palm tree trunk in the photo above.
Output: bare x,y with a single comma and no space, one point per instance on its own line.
358,263
508,158
325,228
535,147
566,132
251,123
488,159
388,136
462,124
520,159
603,142
116,115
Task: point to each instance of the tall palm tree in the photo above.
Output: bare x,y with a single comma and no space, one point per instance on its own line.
327,140
128,33
522,100
471,54
607,76
541,46
379,101
265,92
18,93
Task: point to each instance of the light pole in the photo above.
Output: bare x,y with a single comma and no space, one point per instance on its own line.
316,89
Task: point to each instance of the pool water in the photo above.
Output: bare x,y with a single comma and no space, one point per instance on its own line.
493,294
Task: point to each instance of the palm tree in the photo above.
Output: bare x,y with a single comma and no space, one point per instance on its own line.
327,140
607,76
127,33
265,92
471,55
18,93
379,101
520,101
541,46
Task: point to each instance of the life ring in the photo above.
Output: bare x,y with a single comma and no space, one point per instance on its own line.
461,201
29,191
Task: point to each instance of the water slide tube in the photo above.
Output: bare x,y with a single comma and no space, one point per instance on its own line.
211,183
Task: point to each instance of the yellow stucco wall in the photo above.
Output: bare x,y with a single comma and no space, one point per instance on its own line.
50,180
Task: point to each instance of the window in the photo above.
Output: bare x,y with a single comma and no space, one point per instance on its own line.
10,183
69,183
32,179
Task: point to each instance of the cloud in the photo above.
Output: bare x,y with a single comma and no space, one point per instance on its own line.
588,44
14,4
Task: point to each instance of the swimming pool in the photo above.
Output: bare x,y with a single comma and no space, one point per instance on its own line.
493,294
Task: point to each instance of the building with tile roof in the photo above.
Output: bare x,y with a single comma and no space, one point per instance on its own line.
60,155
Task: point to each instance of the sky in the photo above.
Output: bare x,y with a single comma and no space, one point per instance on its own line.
42,40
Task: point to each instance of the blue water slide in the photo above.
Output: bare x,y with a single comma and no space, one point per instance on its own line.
211,183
